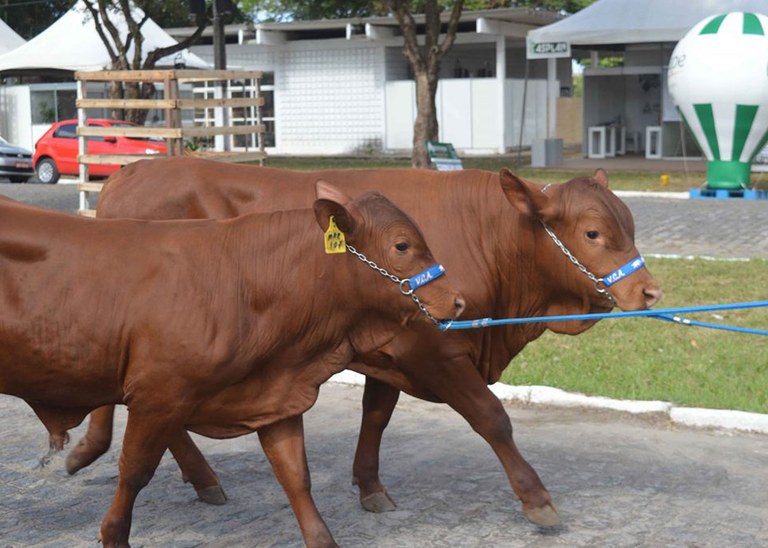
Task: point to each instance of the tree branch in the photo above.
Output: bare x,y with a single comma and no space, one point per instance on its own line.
453,27
97,22
156,54
408,26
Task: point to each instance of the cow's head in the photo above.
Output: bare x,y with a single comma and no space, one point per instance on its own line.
592,224
391,248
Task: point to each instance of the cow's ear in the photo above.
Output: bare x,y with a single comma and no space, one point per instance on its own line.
601,177
333,202
527,197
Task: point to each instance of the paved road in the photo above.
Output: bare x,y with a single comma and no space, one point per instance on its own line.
617,480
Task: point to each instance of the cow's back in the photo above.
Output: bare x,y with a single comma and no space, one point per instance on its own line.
172,188
182,187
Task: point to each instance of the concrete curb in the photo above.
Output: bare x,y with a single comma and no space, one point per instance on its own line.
545,395
651,194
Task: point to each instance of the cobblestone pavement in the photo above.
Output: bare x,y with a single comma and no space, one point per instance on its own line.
716,228
617,480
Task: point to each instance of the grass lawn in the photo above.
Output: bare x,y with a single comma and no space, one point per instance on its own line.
648,359
619,180
641,358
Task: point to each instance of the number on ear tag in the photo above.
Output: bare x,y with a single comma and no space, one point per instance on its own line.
334,239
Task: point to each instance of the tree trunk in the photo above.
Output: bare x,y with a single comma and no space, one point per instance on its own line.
425,128
425,63
116,92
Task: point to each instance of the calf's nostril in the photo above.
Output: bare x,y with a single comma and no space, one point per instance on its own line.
652,295
458,307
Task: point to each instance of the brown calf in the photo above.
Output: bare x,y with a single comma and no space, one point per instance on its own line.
218,327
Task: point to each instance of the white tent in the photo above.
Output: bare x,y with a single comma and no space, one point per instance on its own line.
72,43
633,21
8,38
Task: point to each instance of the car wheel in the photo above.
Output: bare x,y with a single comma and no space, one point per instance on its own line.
47,172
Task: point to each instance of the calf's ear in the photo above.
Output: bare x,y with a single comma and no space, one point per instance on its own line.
601,177
525,196
333,202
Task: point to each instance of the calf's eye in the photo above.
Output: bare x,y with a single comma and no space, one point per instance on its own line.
592,234
401,246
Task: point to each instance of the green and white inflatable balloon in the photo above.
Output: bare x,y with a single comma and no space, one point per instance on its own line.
718,78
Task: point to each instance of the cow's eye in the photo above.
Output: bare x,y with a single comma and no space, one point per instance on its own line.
402,246
593,234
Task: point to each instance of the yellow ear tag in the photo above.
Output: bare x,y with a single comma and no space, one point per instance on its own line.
334,239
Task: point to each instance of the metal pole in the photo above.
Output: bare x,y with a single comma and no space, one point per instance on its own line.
220,63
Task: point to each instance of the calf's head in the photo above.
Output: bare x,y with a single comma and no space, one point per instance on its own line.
393,256
590,231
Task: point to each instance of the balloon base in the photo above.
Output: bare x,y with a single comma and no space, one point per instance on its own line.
724,194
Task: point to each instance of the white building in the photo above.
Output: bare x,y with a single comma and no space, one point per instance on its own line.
331,86
632,99
343,86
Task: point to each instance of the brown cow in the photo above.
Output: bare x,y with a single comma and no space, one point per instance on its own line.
490,230
218,327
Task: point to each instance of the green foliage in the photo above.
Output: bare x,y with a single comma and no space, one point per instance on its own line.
604,62
30,19
286,10
567,6
301,10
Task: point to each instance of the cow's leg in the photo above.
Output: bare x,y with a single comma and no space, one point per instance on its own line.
466,392
195,469
283,443
379,400
95,442
145,441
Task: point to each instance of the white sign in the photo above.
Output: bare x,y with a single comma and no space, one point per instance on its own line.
547,50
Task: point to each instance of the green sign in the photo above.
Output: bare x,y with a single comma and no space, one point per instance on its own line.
443,156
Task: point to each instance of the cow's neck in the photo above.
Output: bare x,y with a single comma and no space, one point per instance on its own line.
532,279
300,293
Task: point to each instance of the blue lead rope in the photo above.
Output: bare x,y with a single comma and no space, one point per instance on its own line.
662,314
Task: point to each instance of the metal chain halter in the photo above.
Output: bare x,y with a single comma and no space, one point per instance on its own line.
599,282
402,282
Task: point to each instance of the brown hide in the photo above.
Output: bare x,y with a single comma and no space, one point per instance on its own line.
105,311
493,245
489,231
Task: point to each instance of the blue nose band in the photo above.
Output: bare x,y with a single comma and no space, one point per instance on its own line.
623,271
423,278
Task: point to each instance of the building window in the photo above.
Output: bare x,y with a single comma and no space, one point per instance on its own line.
52,105
268,110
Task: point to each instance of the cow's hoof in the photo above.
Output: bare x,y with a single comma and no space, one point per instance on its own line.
77,459
212,495
545,516
378,502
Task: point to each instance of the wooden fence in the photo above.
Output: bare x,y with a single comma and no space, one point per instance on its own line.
172,104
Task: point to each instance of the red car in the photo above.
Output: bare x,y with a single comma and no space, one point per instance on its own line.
57,150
